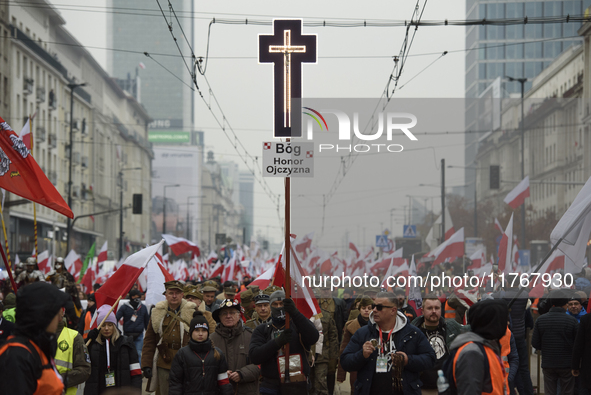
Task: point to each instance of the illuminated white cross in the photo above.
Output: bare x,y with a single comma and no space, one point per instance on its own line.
287,49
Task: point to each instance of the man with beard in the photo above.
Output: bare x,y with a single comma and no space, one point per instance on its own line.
440,333
27,364
268,341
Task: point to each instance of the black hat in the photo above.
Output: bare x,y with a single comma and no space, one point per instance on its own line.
261,298
488,318
226,304
558,298
198,321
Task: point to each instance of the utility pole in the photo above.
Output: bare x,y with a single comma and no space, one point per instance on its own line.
442,200
69,226
121,208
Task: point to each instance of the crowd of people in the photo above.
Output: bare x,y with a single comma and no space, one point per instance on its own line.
234,338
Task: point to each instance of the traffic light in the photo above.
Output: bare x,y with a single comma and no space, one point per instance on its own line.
495,177
137,203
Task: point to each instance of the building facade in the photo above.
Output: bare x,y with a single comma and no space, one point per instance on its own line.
110,150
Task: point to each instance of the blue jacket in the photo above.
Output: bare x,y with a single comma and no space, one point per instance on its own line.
409,339
577,316
140,323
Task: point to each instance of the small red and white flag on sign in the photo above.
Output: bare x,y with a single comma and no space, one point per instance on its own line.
517,196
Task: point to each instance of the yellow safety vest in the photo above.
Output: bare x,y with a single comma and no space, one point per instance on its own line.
64,357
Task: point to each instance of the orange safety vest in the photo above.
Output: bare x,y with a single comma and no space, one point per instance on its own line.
449,312
505,351
498,377
87,319
50,382
534,306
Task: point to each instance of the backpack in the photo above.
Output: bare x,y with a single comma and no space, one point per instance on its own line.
448,369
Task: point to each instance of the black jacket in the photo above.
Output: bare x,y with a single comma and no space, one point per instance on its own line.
263,349
188,375
340,319
124,362
582,351
554,334
141,322
517,312
6,328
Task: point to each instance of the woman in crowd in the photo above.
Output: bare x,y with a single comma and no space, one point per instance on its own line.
114,359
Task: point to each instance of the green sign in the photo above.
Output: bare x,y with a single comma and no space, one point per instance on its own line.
169,137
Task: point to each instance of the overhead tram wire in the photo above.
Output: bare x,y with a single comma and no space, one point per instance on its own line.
260,180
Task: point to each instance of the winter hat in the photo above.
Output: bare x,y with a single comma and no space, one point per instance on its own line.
488,318
558,298
198,321
134,292
102,313
277,296
9,301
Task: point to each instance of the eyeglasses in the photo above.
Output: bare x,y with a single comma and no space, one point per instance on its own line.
379,307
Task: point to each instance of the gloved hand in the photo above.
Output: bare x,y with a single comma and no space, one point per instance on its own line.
147,372
93,334
289,306
284,337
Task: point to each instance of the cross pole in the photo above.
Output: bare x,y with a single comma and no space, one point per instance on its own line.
287,49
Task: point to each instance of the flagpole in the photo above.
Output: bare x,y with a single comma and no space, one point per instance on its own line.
5,238
548,255
34,205
8,268
287,266
106,316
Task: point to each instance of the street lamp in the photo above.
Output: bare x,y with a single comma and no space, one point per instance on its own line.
164,211
121,208
72,87
191,197
522,81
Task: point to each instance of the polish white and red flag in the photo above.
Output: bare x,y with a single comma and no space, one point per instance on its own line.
498,226
264,279
73,264
303,298
552,264
573,230
302,246
102,255
212,257
217,270
449,249
384,264
353,248
449,229
180,246
231,269
478,259
119,284
506,248
517,196
44,262
25,134
326,266
395,271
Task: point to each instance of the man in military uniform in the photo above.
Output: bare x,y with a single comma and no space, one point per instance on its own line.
209,289
247,302
335,309
272,288
60,276
168,331
323,358
193,295
262,312
229,291
31,275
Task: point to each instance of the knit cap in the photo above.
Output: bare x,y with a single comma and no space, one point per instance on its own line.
102,313
198,321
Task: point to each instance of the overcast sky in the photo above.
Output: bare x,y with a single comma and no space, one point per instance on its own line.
352,63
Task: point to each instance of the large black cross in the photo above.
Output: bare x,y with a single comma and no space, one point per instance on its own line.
287,48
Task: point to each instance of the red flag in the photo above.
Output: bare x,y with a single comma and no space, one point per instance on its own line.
180,246
21,175
517,196
123,279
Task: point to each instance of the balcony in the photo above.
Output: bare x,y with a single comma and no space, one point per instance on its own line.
76,191
28,86
40,133
40,95
85,162
52,140
76,125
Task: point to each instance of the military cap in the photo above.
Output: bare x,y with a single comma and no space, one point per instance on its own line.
174,285
208,288
246,297
261,298
192,290
230,291
271,288
254,288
